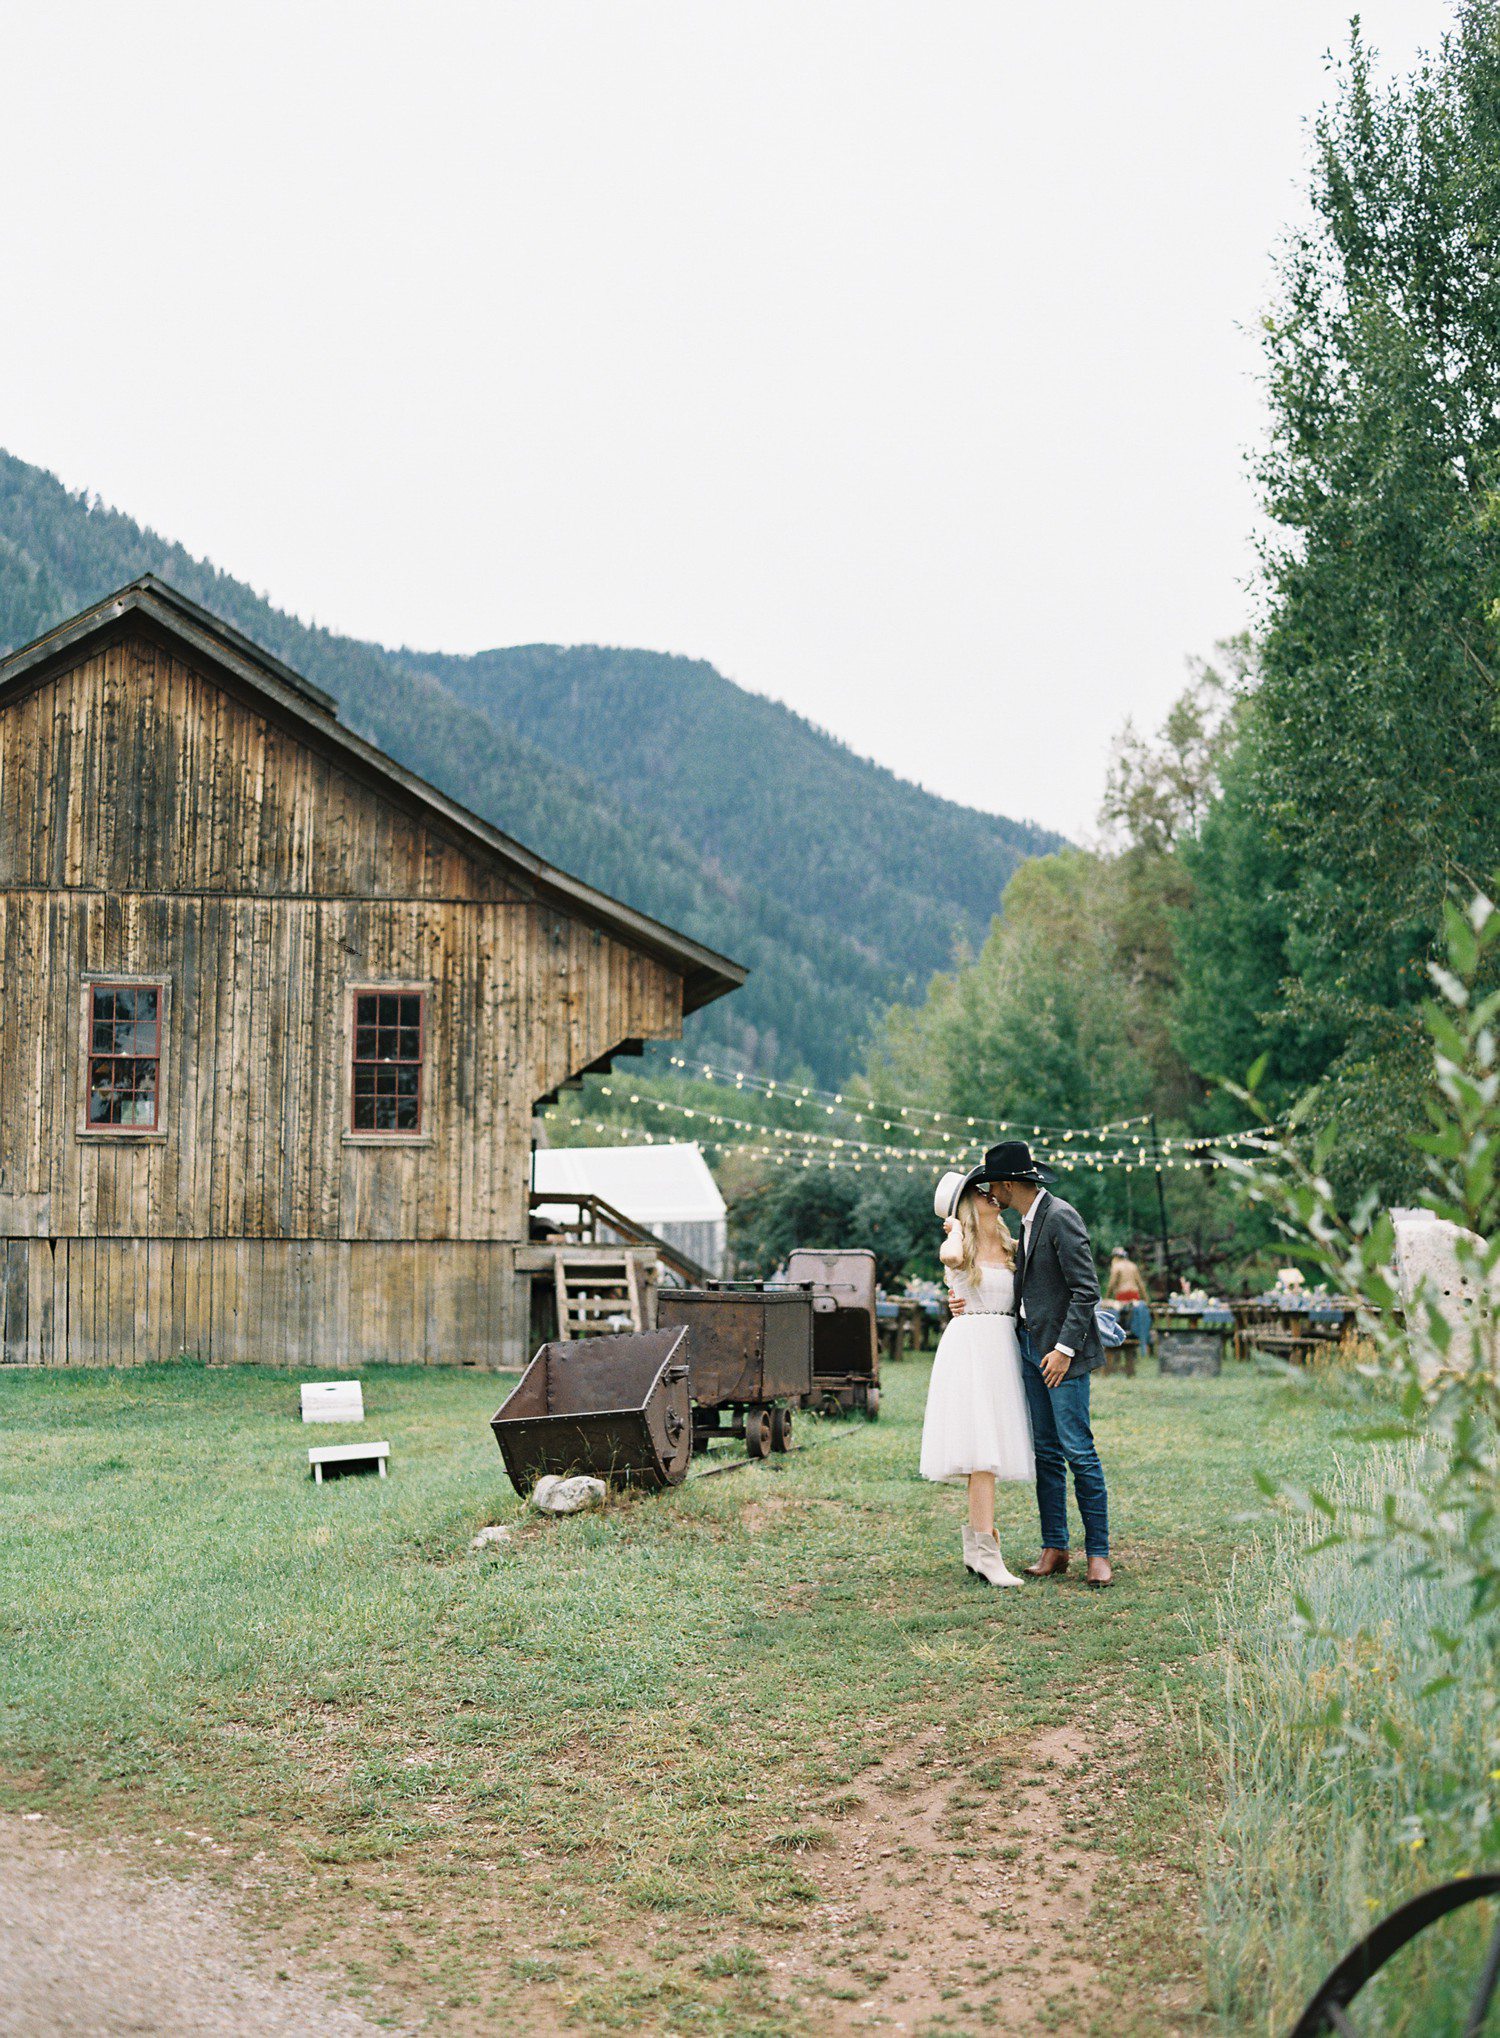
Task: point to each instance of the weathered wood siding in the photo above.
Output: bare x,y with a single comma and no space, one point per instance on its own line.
255,1140
133,772
153,824
131,1301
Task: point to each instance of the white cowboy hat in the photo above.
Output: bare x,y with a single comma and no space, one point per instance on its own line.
950,1187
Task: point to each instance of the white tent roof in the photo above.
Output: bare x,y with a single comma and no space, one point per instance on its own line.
653,1184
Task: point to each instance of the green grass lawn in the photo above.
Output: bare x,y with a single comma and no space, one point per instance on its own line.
597,1777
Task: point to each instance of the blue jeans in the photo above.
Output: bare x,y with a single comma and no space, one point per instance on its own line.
1061,1436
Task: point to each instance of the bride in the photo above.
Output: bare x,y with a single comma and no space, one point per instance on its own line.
976,1428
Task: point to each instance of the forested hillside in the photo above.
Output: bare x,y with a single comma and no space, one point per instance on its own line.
757,790
841,887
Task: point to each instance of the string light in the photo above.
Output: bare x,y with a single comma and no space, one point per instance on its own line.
768,1086
859,1155
1063,1153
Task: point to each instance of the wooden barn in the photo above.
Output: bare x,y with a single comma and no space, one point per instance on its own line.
275,1016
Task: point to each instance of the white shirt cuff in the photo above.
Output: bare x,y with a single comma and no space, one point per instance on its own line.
1066,1350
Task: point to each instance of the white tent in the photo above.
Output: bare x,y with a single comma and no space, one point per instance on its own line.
669,1189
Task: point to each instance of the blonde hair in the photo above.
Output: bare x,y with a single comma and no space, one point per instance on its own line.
967,1263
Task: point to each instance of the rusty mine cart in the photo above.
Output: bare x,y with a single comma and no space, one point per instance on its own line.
616,1407
749,1354
846,1341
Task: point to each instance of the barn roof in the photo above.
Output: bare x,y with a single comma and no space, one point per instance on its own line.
211,641
668,1183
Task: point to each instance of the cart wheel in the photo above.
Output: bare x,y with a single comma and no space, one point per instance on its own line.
781,1429
872,1404
757,1432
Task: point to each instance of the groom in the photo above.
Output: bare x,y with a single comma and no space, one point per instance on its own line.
1056,1292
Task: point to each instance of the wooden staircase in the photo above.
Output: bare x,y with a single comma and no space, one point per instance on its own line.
598,1292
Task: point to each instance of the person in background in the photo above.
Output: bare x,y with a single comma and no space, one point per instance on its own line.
1127,1287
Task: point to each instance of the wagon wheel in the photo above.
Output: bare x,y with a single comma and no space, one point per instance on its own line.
757,1432
781,1429
1327,2010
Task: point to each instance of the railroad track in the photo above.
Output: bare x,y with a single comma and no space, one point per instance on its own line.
744,1464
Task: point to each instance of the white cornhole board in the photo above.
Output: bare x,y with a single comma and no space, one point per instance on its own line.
333,1401
347,1454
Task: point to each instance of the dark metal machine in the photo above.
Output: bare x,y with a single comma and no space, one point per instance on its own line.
750,1354
846,1340
616,1407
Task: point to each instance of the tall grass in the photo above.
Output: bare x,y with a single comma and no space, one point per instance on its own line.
1338,1757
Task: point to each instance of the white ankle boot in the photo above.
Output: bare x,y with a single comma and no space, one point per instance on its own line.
983,1556
969,1541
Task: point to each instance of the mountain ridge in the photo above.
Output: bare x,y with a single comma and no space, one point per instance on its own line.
649,774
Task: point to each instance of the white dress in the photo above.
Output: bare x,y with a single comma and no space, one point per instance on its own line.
976,1417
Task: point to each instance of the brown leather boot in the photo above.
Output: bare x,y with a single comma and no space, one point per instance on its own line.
1050,1564
1099,1574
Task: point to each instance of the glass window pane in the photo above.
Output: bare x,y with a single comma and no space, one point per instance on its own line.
387,1061
125,1049
364,1100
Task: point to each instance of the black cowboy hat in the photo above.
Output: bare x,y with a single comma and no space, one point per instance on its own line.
1011,1161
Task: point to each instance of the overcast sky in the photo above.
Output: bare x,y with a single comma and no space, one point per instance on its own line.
897,358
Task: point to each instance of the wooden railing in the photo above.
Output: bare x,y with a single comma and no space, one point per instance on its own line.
593,1213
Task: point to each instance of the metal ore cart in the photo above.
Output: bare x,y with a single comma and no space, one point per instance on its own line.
846,1345
750,1355
615,1407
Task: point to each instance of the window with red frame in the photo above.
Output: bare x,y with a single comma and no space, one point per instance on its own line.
124,1056
388,1047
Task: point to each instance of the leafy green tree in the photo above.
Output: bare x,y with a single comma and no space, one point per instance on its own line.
1367,778
836,1209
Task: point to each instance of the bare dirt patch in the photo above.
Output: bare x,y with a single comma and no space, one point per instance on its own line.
89,1949
949,1905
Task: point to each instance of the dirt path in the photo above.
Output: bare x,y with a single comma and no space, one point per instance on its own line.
942,1909
91,1951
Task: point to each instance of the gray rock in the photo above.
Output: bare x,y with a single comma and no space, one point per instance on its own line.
567,1496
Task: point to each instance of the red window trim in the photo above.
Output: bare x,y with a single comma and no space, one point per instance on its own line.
158,985
356,992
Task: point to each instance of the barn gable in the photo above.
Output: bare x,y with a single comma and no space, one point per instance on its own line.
150,693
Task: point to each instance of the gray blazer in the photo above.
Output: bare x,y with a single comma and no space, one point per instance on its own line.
1058,1283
